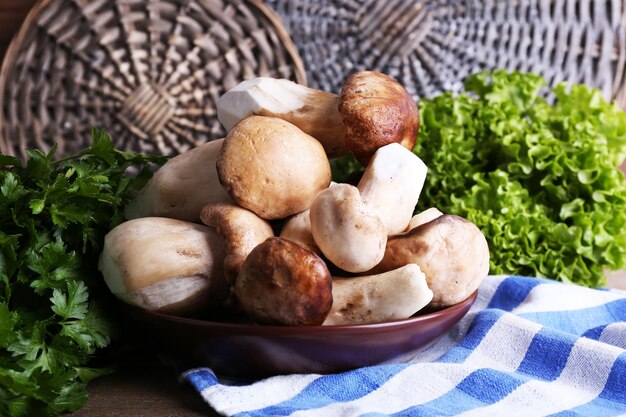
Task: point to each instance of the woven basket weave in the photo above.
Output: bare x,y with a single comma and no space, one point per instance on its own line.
434,45
148,71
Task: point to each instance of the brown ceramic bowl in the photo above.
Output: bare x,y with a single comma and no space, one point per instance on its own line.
253,351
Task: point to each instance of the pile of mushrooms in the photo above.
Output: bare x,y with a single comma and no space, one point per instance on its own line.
253,221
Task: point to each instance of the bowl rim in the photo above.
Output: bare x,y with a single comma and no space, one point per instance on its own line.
282,330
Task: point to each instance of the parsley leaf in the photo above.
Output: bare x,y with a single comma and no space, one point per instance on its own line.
54,214
73,303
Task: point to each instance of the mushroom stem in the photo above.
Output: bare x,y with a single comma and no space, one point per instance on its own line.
391,185
393,295
424,217
373,111
241,231
165,265
298,229
347,232
314,112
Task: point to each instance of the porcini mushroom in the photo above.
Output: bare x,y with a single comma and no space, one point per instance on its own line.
298,229
241,231
347,232
373,110
281,282
376,111
182,186
451,251
392,295
313,111
271,167
424,217
164,265
391,185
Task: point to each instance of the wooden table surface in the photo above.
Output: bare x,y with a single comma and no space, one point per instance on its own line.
146,388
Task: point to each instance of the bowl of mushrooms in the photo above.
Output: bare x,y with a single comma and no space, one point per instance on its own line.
243,255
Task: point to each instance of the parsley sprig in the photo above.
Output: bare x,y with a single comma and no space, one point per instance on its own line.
54,214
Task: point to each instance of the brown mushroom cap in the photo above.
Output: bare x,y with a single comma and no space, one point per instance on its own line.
271,167
376,111
281,282
451,251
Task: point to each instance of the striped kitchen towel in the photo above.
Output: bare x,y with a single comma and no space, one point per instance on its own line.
528,347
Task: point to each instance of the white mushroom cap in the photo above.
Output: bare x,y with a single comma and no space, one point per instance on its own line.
392,295
164,264
347,232
182,186
391,185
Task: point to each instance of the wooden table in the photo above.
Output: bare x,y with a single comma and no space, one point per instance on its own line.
145,388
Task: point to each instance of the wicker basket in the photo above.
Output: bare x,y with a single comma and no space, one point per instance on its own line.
148,71
434,45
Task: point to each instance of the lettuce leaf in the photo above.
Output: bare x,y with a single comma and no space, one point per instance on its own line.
540,180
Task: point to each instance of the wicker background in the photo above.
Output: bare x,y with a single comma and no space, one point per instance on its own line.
433,45
49,94
149,72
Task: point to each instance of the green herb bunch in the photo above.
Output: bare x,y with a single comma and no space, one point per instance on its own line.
53,218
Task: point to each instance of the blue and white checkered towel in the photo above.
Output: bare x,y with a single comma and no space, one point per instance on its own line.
528,347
